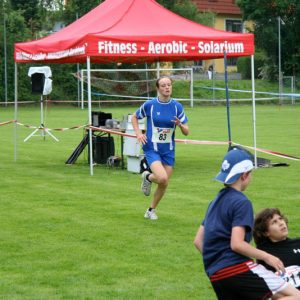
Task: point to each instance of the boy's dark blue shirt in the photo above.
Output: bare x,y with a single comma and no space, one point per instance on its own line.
230,208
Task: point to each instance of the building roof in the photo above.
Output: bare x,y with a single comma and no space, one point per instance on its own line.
218,6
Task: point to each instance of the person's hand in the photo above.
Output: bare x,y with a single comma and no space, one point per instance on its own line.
274,262
176,121
142,139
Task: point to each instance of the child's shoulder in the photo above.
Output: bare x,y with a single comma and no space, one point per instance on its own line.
233,197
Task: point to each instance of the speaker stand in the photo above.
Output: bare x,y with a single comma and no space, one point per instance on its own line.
44,131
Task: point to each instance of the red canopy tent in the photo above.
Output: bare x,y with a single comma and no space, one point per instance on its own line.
133,31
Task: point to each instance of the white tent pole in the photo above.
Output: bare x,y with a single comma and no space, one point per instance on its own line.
253,110
192,87
16,111
157,72
82,89
88,63
78,85
5,57
227,100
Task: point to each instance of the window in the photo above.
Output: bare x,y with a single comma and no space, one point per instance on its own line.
198,66
233,26
198,63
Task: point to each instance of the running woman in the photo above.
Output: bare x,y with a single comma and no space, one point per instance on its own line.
164,115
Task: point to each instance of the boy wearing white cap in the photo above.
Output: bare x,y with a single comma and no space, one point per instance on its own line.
224,240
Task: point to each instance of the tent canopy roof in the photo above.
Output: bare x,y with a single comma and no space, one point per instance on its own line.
134,31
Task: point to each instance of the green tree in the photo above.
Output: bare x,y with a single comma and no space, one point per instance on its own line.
29,9
75,9
189,10
16,30
265,15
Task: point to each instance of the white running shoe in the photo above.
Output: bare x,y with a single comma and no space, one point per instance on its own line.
146,184
151,214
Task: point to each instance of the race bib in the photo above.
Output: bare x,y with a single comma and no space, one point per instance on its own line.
291,275
162,135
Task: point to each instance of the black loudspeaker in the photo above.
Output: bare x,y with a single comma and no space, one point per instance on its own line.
103,148
99,118
37,83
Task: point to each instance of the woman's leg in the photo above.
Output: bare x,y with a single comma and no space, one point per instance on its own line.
161,175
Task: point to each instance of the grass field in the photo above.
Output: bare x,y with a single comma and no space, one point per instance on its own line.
68,235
